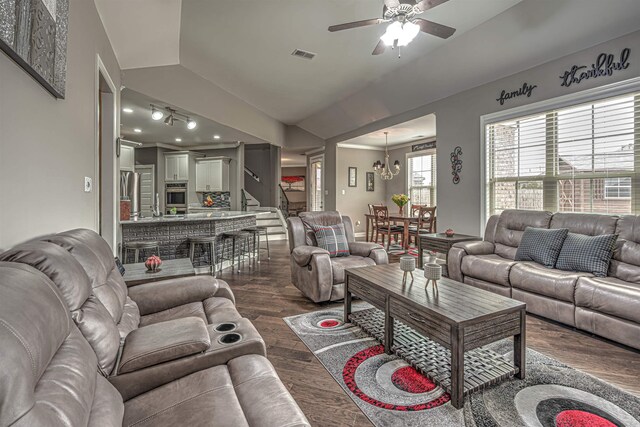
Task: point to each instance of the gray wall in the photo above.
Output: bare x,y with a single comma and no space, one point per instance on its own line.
458,124
264,161
48,146
354,201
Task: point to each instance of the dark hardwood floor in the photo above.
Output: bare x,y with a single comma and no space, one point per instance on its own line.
265,295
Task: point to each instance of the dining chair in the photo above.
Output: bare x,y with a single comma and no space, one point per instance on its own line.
426,222
415,210
383,226
371,222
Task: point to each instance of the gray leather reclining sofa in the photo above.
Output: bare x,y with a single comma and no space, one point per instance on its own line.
80,348
606,306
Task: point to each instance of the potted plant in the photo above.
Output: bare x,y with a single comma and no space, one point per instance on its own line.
400,200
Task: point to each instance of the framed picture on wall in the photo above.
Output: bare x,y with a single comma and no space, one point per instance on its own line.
370,181
353,176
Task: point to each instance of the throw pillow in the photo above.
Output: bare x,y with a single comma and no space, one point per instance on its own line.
332,238
590,254
541,245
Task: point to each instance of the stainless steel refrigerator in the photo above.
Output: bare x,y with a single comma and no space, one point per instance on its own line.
130,190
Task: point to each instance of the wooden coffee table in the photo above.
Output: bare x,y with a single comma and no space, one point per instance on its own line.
136,274
456,319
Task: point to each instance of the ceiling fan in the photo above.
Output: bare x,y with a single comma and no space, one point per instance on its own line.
404,25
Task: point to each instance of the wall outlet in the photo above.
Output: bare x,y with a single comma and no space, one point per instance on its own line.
88,184
358,223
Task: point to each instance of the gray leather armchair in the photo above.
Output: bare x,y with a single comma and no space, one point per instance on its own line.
319,277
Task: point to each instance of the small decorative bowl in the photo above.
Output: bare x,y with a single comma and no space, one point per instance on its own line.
449,233
153,263
407,263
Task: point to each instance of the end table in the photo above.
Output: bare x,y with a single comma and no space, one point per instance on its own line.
439,242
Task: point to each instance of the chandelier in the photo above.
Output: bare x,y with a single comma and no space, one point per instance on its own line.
382,169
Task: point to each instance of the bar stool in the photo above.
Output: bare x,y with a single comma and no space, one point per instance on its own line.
257,231
236,237
136,247
209,242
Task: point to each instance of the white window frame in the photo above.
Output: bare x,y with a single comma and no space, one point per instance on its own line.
617,187
590,95
434,173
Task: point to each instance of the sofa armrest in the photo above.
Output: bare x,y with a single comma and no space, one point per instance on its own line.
370,250
462,249
302,254
163,342
477,247
153,297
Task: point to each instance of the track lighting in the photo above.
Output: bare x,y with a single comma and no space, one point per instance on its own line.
157,113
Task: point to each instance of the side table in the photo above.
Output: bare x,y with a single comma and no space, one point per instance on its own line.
136,274
439,242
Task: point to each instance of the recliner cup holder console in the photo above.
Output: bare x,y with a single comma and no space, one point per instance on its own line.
230,338
226,327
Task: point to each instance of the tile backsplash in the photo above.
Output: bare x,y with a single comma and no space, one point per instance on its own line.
221,199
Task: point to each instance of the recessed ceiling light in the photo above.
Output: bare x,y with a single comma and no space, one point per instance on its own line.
216,136
127,110
178,139
136,130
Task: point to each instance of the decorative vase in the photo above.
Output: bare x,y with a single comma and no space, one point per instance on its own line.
407,264
431,259
449,233
401,210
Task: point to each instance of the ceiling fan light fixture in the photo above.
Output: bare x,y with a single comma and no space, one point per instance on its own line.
394,31
409,32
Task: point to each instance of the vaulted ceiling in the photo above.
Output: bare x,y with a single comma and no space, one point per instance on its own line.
245,46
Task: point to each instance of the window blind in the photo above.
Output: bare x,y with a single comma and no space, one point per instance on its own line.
422,179
575,159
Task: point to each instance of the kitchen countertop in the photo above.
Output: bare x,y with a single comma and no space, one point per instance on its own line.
208,216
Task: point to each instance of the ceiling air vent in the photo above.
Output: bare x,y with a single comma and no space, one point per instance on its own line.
303,54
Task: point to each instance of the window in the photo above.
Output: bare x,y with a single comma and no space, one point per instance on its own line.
422,179
575,159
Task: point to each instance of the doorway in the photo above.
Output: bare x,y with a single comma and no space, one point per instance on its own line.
147,189
316,183
105,184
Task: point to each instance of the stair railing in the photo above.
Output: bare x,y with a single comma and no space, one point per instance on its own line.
252,174
284,201
243,201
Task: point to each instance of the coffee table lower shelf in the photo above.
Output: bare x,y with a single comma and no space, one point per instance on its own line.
482,367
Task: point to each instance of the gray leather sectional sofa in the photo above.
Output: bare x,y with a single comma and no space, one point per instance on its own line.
80,348
606,306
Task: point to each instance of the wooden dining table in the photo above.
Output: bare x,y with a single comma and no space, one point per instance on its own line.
395,218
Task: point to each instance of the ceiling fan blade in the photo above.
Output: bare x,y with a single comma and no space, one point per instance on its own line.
429,4
355,24
380,48
434,28
392,4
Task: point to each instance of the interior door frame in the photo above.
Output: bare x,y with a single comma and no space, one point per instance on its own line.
106,103
312,160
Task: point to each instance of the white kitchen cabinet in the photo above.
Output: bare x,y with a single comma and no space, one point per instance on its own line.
212,175
176,167
127,158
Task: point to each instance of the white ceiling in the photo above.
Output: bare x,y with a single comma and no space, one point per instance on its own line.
157,132
143,33
290,158
245,47
412,131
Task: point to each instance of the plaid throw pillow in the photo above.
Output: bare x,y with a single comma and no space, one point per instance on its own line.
332,238
541,245
591,254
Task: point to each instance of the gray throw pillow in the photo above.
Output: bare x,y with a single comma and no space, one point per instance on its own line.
590,254
541,245
332,238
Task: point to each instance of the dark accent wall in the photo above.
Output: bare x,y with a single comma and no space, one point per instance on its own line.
264,161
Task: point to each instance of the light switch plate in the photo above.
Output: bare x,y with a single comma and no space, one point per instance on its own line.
344,192
88,184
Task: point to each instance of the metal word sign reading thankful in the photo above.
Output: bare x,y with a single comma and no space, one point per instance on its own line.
605,65
526,89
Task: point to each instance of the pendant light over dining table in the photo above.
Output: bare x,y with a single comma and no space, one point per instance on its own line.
382,169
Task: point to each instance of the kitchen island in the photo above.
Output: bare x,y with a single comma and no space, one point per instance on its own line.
173,231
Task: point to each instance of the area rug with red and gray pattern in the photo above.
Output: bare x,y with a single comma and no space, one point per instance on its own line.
392,393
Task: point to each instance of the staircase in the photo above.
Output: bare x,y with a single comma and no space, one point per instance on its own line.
273,219
249,203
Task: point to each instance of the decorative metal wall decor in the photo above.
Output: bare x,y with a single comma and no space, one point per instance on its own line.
34,34
423,146
456,164
370,181
604,66
526,89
